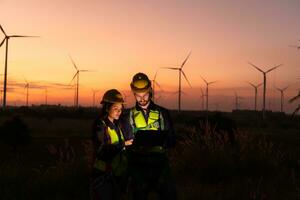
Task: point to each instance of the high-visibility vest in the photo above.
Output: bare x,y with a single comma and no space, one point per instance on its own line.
119,162
139,122
154,122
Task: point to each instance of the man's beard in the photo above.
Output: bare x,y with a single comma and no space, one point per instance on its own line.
143,103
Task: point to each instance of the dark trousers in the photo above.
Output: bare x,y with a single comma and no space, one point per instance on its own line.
151,173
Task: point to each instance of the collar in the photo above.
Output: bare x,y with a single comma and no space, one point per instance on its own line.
110,124
152,106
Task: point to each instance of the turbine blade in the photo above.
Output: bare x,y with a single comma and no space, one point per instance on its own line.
202,92
186,78
203,79
273,68
2,42
173,68
86,70
256,67
285,88
185,60
73,77
297,109
2,30
73,63
212,82
155,75
251,84
22,36
158,85
294,98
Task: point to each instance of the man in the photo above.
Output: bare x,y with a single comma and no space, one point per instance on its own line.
149,167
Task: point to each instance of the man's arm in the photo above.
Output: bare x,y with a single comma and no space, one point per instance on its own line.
126,126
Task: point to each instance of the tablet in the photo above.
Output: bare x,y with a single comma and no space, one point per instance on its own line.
150,138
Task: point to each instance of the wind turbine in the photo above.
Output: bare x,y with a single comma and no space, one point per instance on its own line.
6,38
77,83
281,90
237,98
30,85
265,84
180,71
207,84
155,83
94,94
255,97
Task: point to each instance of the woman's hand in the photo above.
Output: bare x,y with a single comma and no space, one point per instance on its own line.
128,142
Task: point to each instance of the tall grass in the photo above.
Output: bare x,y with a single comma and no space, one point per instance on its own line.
208,166
205,165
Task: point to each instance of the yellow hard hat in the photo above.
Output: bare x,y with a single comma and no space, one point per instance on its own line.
140,83
112,96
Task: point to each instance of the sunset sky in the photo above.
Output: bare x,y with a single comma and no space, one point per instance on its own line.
117,39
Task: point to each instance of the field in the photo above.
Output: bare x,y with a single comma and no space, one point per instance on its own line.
217,156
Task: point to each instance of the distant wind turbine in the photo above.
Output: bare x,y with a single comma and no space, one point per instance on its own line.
30,85
237,101
155,83
281,90
180,70
255,97
77,83
94,95
265,84
207,84
6,38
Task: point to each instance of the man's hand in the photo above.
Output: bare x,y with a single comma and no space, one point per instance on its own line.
128,142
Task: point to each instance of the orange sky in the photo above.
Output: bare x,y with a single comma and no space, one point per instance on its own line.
119,38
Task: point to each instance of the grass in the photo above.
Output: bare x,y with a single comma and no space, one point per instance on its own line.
263,163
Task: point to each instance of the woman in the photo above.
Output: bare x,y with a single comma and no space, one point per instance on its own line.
109,172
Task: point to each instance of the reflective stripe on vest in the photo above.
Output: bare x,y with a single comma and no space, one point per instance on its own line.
116,162
113,135
153,123
140,122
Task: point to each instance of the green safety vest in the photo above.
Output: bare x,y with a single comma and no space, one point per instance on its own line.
154,122
119,162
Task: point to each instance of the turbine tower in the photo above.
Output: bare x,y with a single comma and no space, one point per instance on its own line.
181,72
237,101
94,95
265,84
202,98
6,38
